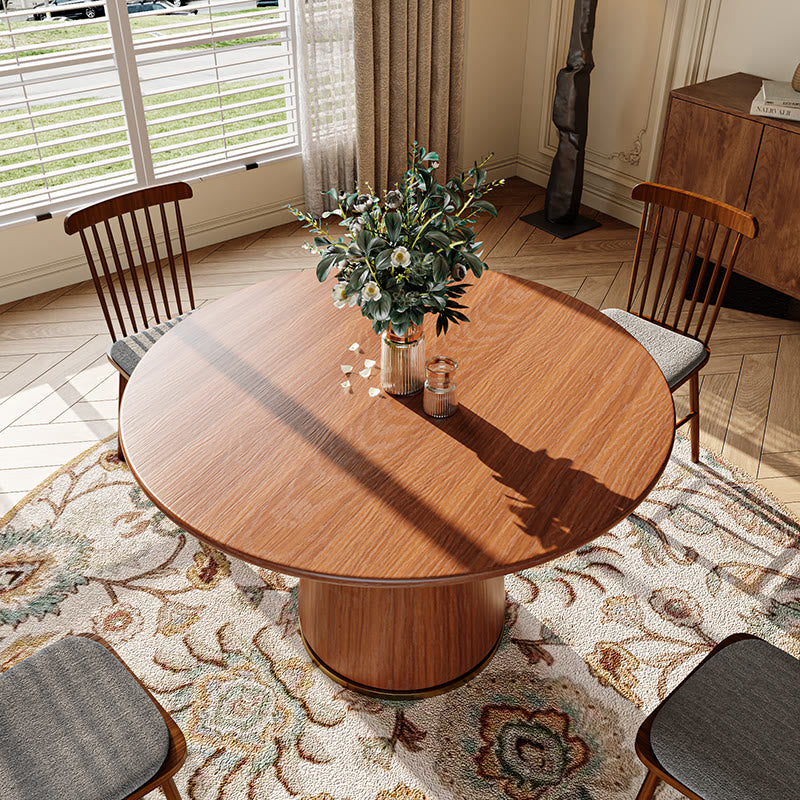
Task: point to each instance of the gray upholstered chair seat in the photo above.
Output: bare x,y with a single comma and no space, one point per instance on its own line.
731,730
126,353
75,724
675,354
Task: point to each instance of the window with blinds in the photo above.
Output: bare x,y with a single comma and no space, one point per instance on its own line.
98,96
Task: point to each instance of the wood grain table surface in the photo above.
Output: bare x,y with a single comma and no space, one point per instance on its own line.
236,425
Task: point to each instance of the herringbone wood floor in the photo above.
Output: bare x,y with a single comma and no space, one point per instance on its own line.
58,392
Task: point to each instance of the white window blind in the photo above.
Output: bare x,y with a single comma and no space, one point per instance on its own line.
138,93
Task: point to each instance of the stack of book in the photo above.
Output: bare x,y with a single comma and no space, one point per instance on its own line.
776,99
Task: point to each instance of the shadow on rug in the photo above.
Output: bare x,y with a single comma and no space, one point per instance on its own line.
593,641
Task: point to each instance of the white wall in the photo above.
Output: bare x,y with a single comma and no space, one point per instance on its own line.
38,256
494,69
762,38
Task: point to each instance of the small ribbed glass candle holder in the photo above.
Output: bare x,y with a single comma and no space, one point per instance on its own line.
403,361
439,398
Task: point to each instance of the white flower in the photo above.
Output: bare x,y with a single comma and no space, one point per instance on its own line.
363,203
434,165
400,257
356,225
371,291
394,199
340,298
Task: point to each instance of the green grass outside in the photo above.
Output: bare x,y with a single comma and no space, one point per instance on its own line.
30,44
93,134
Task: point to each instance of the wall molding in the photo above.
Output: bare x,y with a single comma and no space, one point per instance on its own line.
685,40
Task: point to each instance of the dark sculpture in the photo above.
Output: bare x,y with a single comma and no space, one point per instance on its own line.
571,117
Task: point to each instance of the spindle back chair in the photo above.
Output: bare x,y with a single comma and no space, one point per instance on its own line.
678,282
709,232
148,247
139,267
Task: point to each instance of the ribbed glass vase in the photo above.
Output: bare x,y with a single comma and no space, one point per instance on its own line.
403,361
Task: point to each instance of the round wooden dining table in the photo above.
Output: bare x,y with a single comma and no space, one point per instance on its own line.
400,526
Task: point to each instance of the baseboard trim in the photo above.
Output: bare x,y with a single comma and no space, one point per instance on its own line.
615,201
73,269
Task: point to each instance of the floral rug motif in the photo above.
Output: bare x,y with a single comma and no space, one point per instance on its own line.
593,641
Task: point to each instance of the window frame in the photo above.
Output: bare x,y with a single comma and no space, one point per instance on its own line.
120,46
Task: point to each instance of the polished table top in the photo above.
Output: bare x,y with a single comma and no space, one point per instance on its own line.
236,425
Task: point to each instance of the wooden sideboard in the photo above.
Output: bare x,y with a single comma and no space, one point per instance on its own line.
714,146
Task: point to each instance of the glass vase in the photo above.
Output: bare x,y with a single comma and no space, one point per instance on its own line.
403,361
440,398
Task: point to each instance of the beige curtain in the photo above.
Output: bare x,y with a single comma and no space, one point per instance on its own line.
409,57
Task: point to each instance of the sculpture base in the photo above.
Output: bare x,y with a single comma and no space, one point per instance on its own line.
580,224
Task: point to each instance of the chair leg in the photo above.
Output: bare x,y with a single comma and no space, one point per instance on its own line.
651,781
170,790
123,382
694,422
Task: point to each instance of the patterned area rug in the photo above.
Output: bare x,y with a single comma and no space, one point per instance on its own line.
592,642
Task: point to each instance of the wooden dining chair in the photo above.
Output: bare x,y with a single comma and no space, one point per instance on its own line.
731,729
139,267
690,237
77,724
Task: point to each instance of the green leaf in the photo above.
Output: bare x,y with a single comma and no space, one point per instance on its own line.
474,263
356,281
480,177
438,237
383,259
441,269
325,266
482,205
362,240
321,241
375,243
431,157
394,224
383,306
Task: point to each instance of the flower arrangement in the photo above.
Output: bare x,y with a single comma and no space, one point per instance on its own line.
409,254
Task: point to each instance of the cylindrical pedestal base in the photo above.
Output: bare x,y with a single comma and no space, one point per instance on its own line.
408,641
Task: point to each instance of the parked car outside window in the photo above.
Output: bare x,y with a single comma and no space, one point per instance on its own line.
168,8
61,8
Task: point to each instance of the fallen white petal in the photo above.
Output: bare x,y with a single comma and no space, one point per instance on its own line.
369,363
366,372
346,368
353,346
345,384
374,391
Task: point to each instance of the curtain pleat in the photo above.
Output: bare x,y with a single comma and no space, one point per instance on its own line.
409,57
326,97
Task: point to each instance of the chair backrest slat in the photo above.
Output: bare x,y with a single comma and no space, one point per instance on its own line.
700,278
134,272
157,262
707,222
125,280
171,258
650,260
725,281
637,254
676,269
718,262
145,267
109,280
123,284
664,263
184,253
97,285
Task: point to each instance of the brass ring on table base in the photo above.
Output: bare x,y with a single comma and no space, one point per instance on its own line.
391,694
